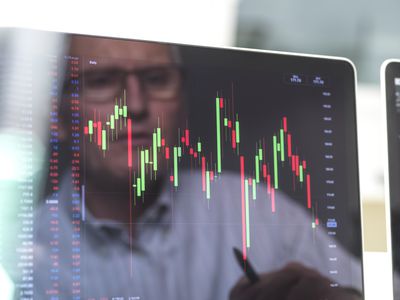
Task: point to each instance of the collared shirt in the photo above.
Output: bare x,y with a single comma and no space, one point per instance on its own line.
183,245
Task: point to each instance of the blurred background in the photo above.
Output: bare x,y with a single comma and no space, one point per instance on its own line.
365,32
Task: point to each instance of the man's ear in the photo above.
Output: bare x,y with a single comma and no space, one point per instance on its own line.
64,124
63,132
64,117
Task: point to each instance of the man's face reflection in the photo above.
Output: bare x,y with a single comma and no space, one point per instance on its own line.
148,77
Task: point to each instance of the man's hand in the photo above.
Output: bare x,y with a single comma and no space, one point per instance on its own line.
293,282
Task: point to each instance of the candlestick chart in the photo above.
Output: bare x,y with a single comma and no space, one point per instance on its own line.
267,160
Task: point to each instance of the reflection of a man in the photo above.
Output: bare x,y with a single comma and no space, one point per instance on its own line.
174,246
150,76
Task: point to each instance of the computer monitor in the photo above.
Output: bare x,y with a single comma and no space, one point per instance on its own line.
136,168
390,82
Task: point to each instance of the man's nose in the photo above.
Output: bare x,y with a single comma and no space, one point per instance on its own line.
135,98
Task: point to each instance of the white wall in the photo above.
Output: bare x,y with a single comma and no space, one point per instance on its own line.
203,22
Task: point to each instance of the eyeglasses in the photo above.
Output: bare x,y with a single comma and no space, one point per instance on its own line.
159,82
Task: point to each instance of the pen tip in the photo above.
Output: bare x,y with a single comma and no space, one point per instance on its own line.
238,253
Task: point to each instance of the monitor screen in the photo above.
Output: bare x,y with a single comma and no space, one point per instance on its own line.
391,89
133,169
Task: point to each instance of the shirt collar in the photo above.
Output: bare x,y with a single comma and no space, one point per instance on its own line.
159,213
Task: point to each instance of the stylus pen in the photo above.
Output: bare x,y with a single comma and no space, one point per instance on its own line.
245,265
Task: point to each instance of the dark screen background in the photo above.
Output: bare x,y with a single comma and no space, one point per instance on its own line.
393,126
259,85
